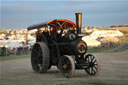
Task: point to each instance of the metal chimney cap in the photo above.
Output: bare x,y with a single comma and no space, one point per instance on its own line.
78,13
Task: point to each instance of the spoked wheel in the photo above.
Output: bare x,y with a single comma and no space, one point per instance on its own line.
40,57
93,64
66,66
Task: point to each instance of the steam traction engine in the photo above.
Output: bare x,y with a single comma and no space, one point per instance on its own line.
65,50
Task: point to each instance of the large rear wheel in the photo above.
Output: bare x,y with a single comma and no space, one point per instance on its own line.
40,58
66,66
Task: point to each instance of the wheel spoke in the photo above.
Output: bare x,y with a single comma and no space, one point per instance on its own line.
89,58
92,59
95,67
90,70
95,64
93,72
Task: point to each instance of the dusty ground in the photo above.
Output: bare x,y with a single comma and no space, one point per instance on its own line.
114,71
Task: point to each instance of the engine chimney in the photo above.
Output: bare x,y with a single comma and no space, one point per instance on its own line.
78,22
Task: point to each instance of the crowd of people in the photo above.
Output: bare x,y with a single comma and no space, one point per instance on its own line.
21,50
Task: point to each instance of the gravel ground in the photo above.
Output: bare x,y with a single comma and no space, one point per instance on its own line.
113,71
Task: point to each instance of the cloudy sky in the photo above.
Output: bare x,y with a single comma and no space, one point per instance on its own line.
23,13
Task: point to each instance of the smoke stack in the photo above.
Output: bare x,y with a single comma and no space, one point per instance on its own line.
78,22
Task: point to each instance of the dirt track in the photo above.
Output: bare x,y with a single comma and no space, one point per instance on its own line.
114,71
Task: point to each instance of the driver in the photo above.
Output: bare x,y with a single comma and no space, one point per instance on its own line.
39,35
53,33
46,32
59,35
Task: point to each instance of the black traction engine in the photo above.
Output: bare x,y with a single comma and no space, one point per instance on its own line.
61,44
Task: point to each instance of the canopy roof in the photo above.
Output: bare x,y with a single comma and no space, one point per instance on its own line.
56,24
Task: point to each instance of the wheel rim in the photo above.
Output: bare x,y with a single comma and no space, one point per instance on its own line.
36,58
66,66
92,61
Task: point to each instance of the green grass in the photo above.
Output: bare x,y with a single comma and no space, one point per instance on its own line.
119,48
4,58
113,48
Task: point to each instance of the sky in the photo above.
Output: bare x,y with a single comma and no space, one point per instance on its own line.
18,14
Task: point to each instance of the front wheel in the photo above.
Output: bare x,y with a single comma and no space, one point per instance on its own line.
66,66
93,64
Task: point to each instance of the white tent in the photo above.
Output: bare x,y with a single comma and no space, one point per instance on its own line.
106,33
90,41
13,44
